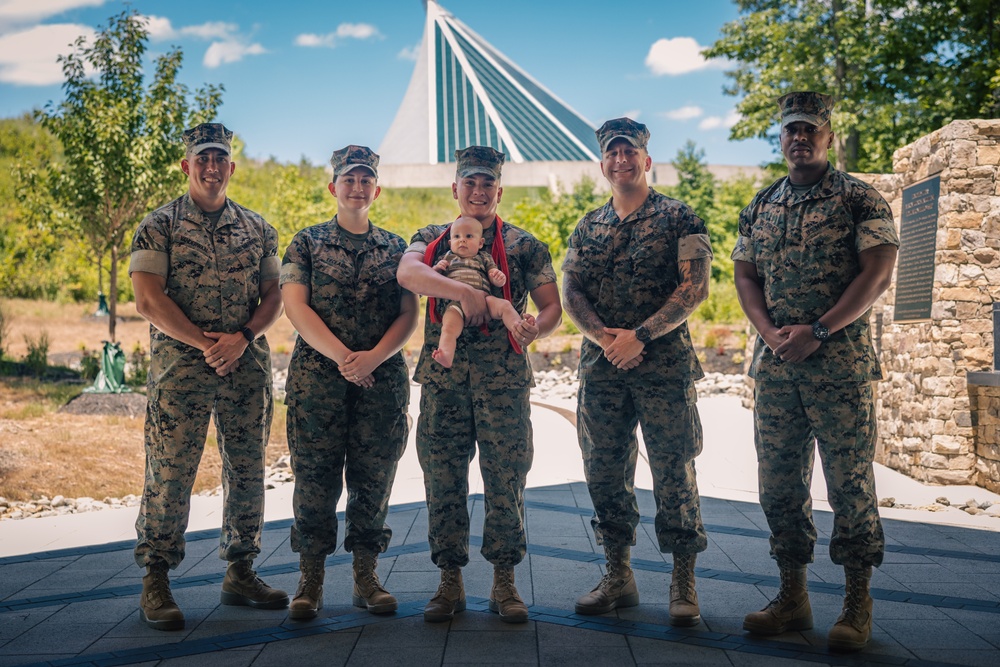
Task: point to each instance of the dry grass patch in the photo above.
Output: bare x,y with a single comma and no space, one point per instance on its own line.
43,452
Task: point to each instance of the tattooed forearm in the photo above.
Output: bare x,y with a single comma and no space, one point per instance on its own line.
580,310
693,289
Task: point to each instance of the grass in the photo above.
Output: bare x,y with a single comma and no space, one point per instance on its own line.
44,452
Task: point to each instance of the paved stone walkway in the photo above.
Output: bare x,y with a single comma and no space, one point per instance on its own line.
69,587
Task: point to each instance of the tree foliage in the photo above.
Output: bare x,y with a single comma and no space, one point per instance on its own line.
553,218
718,203
899,69
121,138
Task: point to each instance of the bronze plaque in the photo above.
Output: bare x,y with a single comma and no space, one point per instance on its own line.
917,243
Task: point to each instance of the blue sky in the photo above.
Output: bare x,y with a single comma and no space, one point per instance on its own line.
303,78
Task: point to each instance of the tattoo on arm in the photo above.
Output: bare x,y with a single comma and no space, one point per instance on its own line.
579,309
692,290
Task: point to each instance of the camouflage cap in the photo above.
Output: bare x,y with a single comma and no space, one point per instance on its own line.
208,135
352,156
813,108
478,160
635,133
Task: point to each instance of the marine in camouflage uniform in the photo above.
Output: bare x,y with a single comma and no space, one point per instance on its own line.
814,252
483,398
634,271
338,423
207,281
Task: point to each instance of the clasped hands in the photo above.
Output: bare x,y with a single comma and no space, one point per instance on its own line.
622,348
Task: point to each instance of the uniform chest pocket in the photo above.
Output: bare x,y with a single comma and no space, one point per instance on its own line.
595,253
192,263
248,252
336,272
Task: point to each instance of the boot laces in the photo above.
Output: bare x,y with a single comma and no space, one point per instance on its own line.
504,586
248,577
853,605
159,587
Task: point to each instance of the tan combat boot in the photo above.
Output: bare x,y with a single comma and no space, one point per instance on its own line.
157,608
789,610
615,589
243,587
853,629
308,598
504,599
684,611
449,599
368,590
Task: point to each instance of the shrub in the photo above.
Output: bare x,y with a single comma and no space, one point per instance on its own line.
90,365
138,364
37,358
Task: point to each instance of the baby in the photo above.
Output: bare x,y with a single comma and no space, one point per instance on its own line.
467,263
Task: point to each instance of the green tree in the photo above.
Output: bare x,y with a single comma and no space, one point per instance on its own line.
121,139
898,69
551,218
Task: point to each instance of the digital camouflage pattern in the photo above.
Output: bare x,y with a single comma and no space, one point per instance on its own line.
208,135
635,133
813,108
483,397
334,426
805,247
214,276
607,414
352,156
176,428
478,160
627,269
841,418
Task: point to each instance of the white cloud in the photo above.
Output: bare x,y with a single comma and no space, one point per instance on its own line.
211,30
710,123
25,11
678,55
732,118
632,113
161,29
28,57
409,53
684,113
230,51
344,31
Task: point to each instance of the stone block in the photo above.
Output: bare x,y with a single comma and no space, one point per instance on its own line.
985,255
948,476
965,294
972,239
962,462
963,220
929,460
983,186
944,444
963,154
988,155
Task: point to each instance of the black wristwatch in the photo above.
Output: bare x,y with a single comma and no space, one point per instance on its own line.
820,332
642,334
248,334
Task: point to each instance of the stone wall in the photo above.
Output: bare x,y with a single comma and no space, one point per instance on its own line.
929,418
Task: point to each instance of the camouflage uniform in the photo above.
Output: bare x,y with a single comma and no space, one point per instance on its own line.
482,398
335,426
805,247
214,276
627,269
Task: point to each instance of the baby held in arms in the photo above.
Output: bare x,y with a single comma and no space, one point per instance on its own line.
467,263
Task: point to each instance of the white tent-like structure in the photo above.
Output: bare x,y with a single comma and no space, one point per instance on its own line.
464,92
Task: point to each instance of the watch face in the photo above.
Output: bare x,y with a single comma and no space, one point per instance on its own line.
642,334
820,332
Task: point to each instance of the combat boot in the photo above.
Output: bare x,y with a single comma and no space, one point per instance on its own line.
853,628
243,587
308,598
789,610
368,590
615,589
157,608
449,599
684,611
504,599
